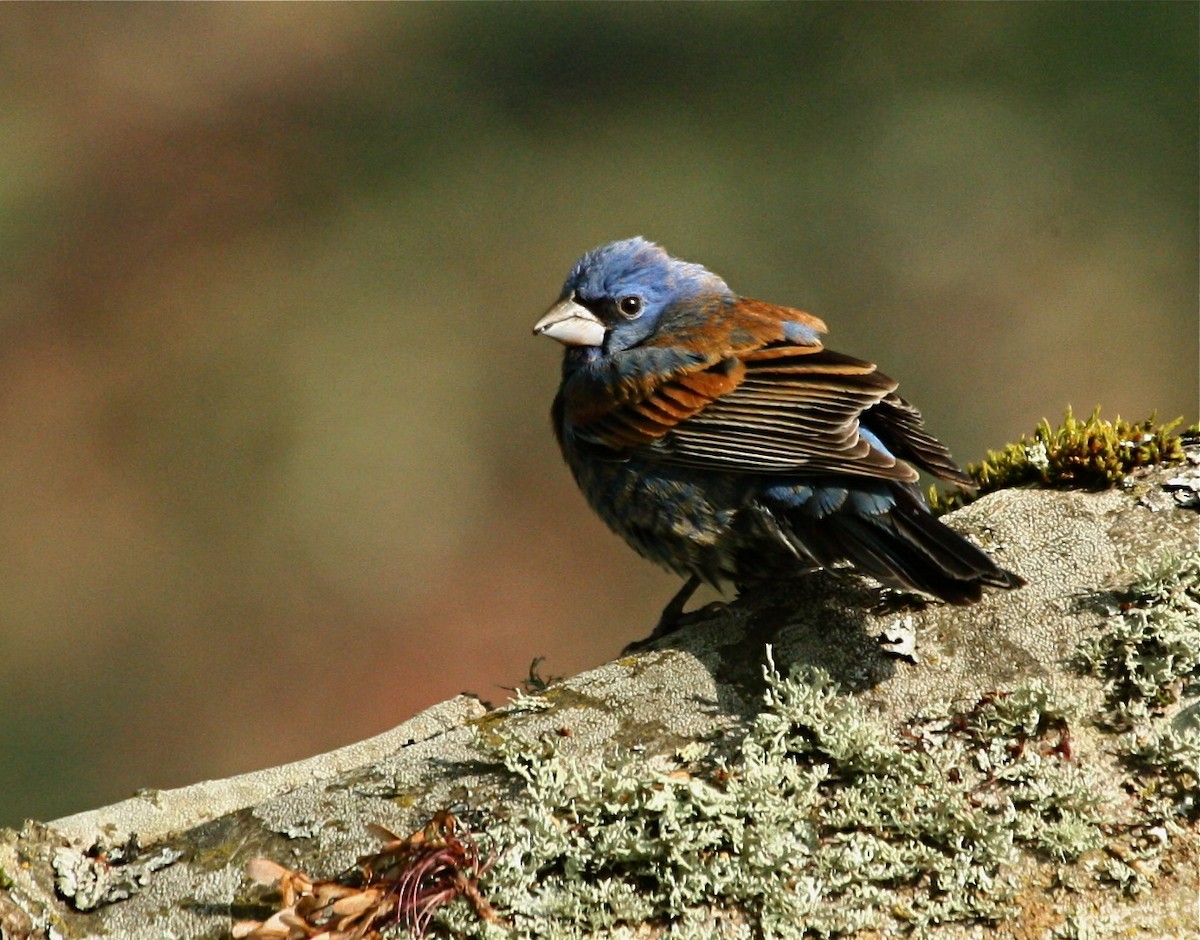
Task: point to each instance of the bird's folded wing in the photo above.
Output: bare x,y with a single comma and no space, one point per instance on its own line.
796,410
749,387
780,409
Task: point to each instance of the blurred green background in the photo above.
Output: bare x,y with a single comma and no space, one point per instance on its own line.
277,469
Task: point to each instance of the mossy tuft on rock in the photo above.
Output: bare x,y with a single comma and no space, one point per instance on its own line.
1089,454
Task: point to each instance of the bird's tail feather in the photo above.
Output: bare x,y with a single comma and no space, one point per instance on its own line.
905,547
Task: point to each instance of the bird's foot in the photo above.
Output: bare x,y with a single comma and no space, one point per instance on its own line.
674,618
892,601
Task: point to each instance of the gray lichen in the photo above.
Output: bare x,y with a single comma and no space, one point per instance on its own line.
1148,654
822,822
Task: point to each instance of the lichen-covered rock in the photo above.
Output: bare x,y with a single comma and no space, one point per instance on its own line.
807,762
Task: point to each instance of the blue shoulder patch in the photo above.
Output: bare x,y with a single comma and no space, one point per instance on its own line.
800,333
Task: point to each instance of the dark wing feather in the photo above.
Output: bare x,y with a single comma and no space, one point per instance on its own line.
902,430
665,404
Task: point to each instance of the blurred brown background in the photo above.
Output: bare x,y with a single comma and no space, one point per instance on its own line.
276,467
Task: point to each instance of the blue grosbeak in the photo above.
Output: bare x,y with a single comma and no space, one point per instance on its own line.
721,439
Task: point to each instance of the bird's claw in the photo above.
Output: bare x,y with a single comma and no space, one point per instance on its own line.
674,618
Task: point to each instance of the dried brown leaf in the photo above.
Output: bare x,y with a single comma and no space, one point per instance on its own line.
265,872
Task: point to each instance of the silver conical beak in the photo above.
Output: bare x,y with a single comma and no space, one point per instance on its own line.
571,324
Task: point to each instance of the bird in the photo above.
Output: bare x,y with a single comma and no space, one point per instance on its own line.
721,439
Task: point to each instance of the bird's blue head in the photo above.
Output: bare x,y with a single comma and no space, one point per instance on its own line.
616,294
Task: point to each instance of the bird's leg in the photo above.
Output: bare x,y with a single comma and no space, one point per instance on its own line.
673,617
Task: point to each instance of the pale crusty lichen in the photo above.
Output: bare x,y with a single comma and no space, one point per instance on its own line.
1031,811
822,822
825,822
1148,656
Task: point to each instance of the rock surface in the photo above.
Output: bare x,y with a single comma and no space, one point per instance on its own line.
172,863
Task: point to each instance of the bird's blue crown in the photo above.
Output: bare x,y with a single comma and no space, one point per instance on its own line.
638,266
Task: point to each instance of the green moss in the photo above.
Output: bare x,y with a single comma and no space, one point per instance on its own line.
1090,454
489,726
823,822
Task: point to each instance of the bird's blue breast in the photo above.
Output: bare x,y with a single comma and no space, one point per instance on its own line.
676,517
717,525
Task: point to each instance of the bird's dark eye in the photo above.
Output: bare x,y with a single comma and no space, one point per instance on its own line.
630,306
